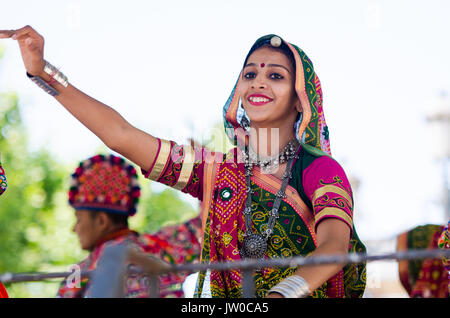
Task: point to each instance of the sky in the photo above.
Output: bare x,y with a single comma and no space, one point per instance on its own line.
169,66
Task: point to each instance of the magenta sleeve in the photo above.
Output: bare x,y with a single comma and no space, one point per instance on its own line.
327,186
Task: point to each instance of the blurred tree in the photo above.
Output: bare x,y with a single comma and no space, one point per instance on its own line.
36,220
162,208
33,180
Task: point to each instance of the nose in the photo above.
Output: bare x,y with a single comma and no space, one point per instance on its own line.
259,82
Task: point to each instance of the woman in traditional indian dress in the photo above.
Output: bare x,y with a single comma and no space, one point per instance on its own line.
278,193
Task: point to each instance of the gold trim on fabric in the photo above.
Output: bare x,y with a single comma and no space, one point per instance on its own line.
186,168
334,212
331,188
161,160
209,180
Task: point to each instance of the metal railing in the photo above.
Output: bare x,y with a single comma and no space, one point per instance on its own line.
107,279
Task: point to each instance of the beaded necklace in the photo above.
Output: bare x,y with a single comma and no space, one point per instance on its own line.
255,245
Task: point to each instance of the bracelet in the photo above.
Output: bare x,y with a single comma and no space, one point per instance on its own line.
55,74
43,84
292,287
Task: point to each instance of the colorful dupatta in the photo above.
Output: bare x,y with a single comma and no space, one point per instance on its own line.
311,128
318,190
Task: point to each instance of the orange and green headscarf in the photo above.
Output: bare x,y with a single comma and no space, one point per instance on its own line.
311,128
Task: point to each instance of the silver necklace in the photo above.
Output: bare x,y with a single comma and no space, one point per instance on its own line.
255,244
270,164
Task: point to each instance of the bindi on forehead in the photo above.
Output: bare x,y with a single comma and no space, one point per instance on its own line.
262,65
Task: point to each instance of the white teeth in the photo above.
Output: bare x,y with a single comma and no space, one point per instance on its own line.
259,99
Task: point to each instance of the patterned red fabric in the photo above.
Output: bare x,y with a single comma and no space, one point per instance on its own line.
106,183
3,184
175,244
433,278
328,191
3,293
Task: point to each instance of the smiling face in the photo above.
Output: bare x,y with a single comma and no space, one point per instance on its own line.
267,89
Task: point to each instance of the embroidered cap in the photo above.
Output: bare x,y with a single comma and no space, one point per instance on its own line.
106,183
275,41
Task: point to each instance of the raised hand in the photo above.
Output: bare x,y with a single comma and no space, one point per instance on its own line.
119,135
31,46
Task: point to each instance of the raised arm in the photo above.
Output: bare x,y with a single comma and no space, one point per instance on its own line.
102,120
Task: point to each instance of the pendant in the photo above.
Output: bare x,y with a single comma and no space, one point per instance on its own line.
254,246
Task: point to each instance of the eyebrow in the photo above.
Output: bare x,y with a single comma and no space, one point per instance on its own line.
273,65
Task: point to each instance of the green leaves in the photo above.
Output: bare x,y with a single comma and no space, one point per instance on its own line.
35,219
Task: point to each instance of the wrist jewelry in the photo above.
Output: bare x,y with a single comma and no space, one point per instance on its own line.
43,84
293,286
55,74
55,77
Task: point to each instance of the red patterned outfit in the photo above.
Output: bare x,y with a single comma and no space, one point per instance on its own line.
426,278
3,293
175,244
3,186
109,184
319,189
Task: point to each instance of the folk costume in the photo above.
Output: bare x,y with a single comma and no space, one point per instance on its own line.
3,292
423,278
109,184
444,243
231,195
3,186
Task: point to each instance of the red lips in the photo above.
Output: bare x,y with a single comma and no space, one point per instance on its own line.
259,99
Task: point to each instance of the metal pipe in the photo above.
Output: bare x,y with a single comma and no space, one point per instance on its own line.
255,264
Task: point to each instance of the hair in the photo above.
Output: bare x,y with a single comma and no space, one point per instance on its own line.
116,218
264,42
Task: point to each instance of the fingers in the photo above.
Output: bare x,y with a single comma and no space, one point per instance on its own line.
4,34
20,33
27,37
26,31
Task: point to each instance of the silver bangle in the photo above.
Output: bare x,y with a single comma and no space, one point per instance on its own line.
56,74
293,286
43,84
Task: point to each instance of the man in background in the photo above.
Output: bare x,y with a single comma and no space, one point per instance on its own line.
104,194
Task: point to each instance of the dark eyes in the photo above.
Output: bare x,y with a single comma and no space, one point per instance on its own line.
249,75
276,76
252,75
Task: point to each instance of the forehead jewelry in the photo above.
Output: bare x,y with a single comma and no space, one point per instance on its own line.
275,41
262,65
